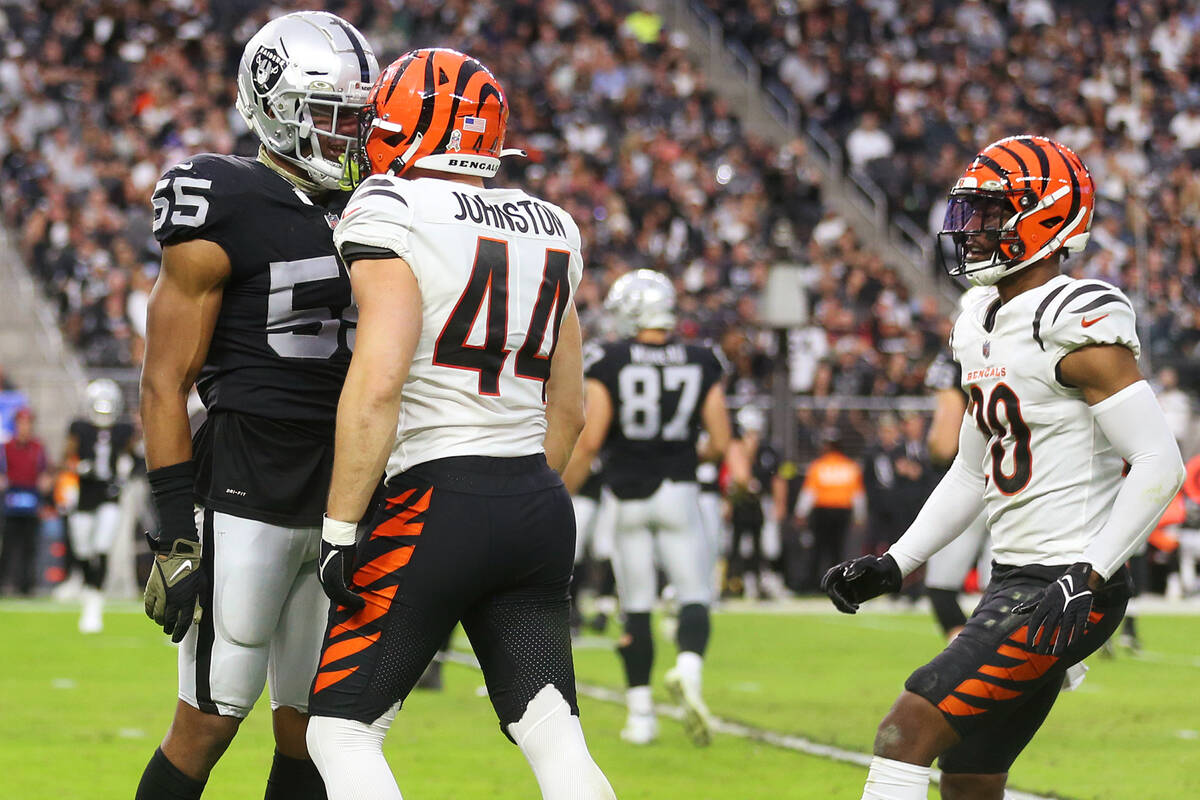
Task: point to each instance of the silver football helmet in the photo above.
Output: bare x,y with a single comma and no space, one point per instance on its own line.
300,84
104,402
641,300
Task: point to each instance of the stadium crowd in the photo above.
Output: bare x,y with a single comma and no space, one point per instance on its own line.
97,99
912,90
622,131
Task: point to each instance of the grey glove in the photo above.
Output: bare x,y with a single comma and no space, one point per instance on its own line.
174,588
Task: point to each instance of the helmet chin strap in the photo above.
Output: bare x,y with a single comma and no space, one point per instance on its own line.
303,184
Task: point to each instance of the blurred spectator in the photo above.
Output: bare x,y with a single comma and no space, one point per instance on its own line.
831,498
879,480
25,479
1176,405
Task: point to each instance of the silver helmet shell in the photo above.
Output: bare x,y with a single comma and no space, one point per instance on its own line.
641,300
105,402
298,64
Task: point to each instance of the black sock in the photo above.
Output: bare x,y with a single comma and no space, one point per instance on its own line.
294,779
94,571
946,608
162,780
637,649
692,634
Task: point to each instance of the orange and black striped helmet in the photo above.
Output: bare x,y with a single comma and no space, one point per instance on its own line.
1020,201
437,109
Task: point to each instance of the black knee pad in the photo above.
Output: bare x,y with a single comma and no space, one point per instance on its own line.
637,649
94,571
946,609
692,633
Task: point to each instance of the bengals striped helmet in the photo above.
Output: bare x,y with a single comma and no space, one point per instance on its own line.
1020,201
437,109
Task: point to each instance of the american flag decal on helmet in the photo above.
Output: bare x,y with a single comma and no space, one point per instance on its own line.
474,124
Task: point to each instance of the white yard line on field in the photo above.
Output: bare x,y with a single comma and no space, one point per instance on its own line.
741,730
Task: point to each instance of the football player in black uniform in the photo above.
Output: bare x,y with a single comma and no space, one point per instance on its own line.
252,305
648,398
100,447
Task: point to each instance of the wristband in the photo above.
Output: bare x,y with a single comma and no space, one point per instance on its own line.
173,490
338,533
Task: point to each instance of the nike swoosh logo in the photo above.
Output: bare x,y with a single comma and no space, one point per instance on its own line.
1087,323
185,565
328,558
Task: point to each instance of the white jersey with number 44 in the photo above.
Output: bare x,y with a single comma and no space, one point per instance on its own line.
1052,475
496,269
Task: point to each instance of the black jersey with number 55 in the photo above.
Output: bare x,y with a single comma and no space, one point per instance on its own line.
657,394
283,336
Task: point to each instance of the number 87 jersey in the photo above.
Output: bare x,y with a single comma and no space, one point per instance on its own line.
1051,474
496,269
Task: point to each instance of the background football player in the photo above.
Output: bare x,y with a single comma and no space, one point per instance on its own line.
947,569
251,299
100,448
647,399
470,423
1058,411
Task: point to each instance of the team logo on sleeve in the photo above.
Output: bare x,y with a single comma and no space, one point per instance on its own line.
265,69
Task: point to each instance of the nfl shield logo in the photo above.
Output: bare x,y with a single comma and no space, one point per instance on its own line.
987,349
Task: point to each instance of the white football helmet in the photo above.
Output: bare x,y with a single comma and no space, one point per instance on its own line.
750,418
641,300
104,402
301,76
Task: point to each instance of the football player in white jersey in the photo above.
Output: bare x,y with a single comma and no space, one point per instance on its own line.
466,390
1057,410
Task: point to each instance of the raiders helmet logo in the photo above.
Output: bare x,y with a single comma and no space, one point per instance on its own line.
266,69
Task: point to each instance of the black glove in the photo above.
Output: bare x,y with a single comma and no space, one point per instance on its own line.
336,567
173,590
1060,611
858,580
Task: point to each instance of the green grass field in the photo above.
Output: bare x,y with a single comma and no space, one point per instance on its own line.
79,716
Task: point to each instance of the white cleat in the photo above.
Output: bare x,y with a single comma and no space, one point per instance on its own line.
697,719
640,729
92,618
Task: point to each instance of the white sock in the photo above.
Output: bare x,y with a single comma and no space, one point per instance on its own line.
552,741
639,700
689,665
349,756
895,780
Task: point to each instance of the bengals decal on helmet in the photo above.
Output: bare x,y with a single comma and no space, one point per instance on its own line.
1021,200
437,109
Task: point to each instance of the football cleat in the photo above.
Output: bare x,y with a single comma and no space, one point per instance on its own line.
640,729
697,719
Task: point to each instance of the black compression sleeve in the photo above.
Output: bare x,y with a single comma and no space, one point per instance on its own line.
173,490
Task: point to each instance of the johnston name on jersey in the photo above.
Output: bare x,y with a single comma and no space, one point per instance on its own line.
657,393
282,341
1052,475
496,269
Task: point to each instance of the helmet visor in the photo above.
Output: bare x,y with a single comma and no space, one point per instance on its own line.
974,226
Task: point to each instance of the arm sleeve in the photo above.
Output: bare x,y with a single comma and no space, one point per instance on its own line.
1133,422
951,507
